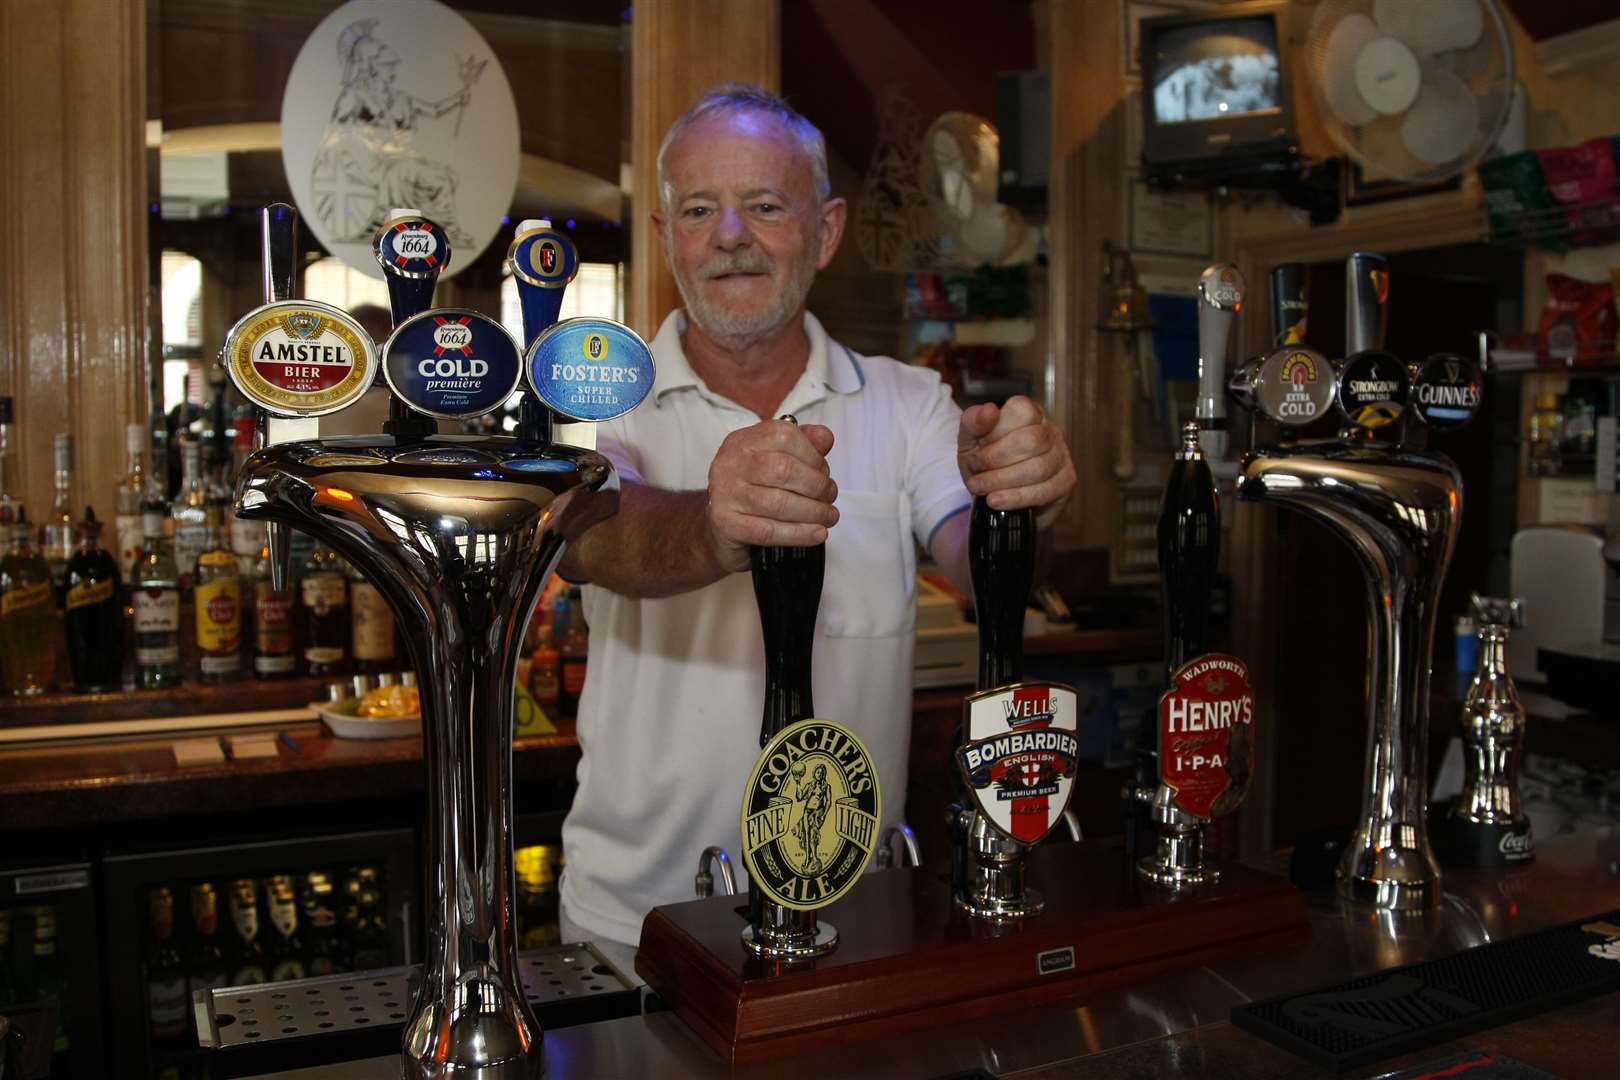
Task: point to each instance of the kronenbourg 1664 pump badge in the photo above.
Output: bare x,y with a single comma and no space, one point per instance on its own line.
300,358
810,814
1019,760
1206,735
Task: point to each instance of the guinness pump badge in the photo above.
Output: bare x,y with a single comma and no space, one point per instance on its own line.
1445,391
1206,735
810,814
1019,760
300,358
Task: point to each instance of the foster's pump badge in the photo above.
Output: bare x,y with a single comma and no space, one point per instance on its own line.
590,369
451,363
543,257
1206,735
300,358
1020,757
810,814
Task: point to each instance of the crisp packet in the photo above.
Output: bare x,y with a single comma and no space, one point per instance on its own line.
1521,208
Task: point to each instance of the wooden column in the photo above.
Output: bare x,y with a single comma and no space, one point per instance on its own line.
1085,209
679,48
73,271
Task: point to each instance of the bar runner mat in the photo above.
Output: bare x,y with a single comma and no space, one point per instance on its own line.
1376,1016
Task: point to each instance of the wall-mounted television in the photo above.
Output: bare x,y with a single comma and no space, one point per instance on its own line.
1214,86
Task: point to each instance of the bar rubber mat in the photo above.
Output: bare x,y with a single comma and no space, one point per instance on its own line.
1392,1012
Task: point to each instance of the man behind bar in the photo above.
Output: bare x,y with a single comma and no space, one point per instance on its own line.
670,717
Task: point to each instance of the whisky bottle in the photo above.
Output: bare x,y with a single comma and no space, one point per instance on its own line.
323,603
371,624
273,654
93,611
157,604
56,537
190,515
28,630
218,608
131,493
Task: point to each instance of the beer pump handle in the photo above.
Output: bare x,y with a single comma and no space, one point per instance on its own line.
412,252
543,261
1366,302
1189,535
787,587
1290,303
1001,560
1220,296
278,261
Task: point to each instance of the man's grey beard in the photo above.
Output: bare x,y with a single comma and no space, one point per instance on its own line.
740,329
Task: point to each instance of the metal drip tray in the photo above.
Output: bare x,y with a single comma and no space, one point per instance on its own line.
330,1018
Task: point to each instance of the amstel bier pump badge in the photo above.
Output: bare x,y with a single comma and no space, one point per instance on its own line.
1206,735
1019,760
300,358
810,814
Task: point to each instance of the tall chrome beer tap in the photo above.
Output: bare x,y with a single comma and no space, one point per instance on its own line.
459,534
1018,747
1399,511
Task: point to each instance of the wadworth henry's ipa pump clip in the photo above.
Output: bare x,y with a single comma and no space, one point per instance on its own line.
459,533
1399,511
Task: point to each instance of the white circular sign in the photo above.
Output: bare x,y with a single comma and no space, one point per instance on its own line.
395,103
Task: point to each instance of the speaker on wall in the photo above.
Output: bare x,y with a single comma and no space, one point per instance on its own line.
1023,119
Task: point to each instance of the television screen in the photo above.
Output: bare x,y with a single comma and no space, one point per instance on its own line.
1215,70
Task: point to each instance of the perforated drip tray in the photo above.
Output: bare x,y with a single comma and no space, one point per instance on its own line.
341,1017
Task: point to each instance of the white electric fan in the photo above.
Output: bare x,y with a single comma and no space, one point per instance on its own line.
1414,90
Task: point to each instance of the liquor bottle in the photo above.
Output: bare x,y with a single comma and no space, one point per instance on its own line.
246,951
157,605
50,984
94,611
573,652
56,537
368,944
7,495
165,974
28,628
131,495
371,624
218,609
190,515
545,675
323,603
1189,536
326,951
286,951
206,968
273,654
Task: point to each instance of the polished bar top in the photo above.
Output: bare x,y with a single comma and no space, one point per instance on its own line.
1177,1025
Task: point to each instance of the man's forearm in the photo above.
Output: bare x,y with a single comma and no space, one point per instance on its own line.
656,545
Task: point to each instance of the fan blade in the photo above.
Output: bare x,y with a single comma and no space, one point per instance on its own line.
1388,76
1337,76
1431,26
1444,122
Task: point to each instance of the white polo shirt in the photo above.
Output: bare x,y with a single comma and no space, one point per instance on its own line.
669,721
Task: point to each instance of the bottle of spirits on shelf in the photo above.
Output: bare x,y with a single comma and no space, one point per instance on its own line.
131,495
247,537
372,626
165,974
56,537
273,654
7,493
157,604
545,675
93,611
323,601
28,624
218,608
190,515
572,649
206,968
246,953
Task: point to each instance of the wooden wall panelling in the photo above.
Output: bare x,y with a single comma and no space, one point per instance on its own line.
678,49
1086,201
73,280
